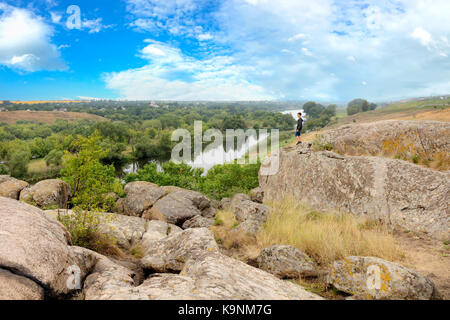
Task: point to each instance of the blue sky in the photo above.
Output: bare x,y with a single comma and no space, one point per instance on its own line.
325,50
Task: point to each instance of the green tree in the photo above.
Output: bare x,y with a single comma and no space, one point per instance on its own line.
54,158
17,164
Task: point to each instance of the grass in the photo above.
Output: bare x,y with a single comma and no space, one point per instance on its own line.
325,237
11,117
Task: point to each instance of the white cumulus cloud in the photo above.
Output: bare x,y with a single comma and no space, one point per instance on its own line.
25,41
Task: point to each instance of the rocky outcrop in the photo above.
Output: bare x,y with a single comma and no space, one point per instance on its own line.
374,278
170,253
141,196
251,217
237,199
225,204
34,247
14,287
11,187
257,195
47,193
170,204
286,262
390,136
157,230
210,276
396,192
179,206
126,230
198,222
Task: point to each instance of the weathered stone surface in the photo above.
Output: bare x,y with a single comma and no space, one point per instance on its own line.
107,280
34,246
286,262
220,277
179,206
126,230
257,195
141,196
251,217
157,230
424,137
251,210
170,253
374,278
14,287
198,222
396,192
237,199
225,204
212,277
46,193
11,187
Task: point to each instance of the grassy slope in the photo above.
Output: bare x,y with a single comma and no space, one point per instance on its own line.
46,116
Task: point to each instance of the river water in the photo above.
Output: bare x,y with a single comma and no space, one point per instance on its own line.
214,156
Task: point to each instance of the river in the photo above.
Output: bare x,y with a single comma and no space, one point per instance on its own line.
212,157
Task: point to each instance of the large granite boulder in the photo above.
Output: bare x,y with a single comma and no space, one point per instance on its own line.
47,193
170,253
140,197
209,276
237,199
198,222
251,217
179,206
126,230
157,230
257,195
11,187
15,287
426,138
286,262
34,246
396,192
374,278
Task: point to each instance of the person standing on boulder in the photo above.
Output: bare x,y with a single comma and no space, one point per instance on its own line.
299,127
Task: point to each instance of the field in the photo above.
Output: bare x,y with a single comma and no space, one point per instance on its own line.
46,101
432,109
12,117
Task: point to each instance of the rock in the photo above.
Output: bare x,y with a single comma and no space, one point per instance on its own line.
34,246
251,216
215,204
237,199
170,253
396,192
220,277
210,276
225,204
251,210
157,230
11,187
141,196
198,222
14,287
374,278
428,138
47,193
108,280
257,195
127,230
179,206
286,262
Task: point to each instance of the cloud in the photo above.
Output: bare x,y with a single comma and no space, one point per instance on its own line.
94,25
323,49
25,41
171,75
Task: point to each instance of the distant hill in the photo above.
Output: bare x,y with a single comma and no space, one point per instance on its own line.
418,109
12,117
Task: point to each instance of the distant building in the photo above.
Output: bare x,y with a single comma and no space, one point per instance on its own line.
62,109
3,110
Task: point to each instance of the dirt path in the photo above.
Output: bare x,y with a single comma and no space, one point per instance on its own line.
429,257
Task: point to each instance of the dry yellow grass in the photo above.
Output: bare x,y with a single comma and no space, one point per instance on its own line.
12,117
325,237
